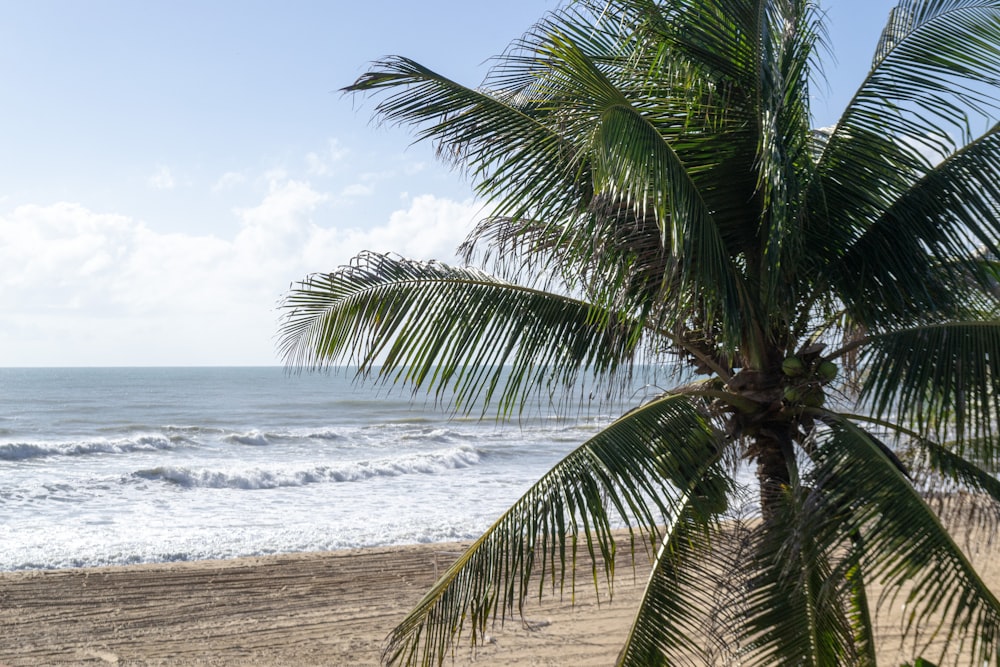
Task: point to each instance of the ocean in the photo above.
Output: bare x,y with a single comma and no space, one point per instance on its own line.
113,466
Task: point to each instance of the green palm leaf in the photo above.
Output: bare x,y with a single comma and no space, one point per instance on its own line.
941,47
800,590
858,609
935,62
672,625
560,115
942,378
630,156
640,467
451,329
905,543
494,135
928,458
906,261
932,75
785,142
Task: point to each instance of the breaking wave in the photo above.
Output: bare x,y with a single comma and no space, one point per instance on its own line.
354,471
20,451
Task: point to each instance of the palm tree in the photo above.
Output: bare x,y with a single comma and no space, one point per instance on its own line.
660,199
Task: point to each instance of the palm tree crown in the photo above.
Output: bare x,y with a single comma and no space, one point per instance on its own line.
659,198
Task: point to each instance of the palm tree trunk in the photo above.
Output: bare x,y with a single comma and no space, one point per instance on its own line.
773,452
769,436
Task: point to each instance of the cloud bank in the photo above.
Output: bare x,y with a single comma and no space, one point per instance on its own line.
79,286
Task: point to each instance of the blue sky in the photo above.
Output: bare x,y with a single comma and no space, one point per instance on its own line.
168,168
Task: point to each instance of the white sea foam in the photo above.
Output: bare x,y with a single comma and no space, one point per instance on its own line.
355,471
437,435
326,434
20,451
253,438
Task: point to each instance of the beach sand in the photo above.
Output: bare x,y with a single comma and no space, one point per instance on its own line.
300,609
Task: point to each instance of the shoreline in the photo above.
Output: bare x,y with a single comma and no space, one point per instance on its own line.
317,608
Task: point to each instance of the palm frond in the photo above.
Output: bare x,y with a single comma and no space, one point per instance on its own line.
957,487
621,264
936,61
861,175
859,611
939,62
904,543
800,590
631,151
912,257
717,40
671,626
788,36
555,120
450,329
521,165
639,467
631,158
947,463
944,378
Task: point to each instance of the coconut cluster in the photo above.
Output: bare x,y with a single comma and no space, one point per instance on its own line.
805,380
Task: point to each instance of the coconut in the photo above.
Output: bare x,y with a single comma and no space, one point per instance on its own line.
827,370
793,367
813,397
792,394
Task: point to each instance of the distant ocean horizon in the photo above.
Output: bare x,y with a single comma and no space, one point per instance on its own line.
122,465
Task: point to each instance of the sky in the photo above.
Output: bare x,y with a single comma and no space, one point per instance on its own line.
168,168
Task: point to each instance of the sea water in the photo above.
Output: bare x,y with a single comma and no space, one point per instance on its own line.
131,465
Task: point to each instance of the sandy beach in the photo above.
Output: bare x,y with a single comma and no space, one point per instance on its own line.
300,609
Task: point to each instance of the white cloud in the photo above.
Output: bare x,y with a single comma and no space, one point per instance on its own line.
162,179
84,287
365,187
316,166
228,180
414,168
321,164
431,228
358,190
275,174
274,232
